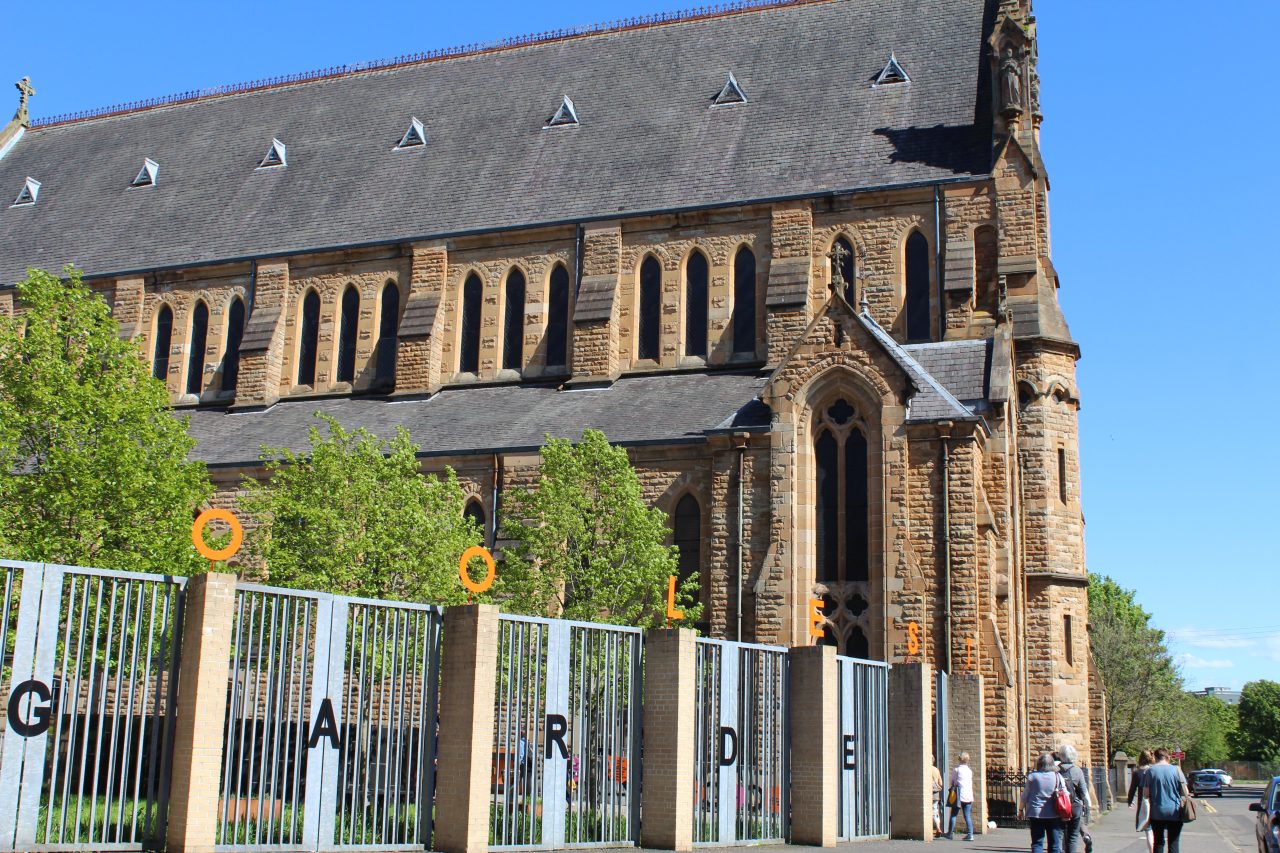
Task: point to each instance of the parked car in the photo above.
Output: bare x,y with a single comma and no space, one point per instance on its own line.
1227,781
1267,827
1205,782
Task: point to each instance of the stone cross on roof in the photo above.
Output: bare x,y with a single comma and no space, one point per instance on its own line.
26,90
837,255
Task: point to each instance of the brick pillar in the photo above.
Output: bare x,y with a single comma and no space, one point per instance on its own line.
966,722
470,670
670,691
202,704
815,745
419,344
262,347
910,750
595,313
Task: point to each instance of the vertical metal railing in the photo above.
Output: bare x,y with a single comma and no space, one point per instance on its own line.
741,773
330,732
95,656
864,752
566,735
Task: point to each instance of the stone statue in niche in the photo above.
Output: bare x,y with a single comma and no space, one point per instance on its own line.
1011,103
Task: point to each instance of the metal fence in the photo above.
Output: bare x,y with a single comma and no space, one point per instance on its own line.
741,778
89,668
566,740
864,749
330,731
1102,793
1004,792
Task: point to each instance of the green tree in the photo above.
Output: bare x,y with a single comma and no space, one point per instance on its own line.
1146,705
94,466
585,545
1212,730
1259,710
354,515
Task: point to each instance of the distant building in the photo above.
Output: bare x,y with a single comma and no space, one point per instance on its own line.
1231,697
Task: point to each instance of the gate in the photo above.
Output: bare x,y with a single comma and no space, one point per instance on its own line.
741,777
330,732
566,739
88,669
864,741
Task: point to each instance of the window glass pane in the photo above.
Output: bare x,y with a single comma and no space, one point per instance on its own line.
164,338
744,301
235,332
347,335
650,307
855,506
917,287
307,345
199,340
513,334
469,357
827,454
558,318
687,528
695,310
388,333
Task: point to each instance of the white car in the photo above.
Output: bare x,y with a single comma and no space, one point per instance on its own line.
1222,774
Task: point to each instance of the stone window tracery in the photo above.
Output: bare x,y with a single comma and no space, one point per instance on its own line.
695,305
842,526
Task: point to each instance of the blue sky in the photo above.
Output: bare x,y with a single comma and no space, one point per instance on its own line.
1160,139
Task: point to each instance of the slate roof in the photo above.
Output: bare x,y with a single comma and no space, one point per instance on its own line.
932,400
963,367
639,409
649,139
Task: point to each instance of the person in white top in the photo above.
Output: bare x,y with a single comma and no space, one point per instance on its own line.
962,784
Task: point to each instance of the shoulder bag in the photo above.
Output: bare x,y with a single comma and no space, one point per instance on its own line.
1062,799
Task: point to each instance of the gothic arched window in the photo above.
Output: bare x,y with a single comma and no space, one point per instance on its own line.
695,305
840,449
388,333
687,528
231,356
475,512
650,307
744,301
347,335
198,341
917,287
558,318
513,333
308,338
469,349
164,338
847,269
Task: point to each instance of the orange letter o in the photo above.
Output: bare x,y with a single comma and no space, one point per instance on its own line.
197,534
467,556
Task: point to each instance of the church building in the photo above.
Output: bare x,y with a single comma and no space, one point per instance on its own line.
794,255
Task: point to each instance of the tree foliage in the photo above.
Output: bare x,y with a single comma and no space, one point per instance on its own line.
1259,712
94,466
1145,699
354,515
1211,724
585,545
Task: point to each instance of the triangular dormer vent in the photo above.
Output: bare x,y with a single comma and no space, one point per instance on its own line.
276,155
415,136
147,174
566,115
29,193
892,73
731,93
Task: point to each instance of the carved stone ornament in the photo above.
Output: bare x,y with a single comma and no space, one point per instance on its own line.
25,91
1011,102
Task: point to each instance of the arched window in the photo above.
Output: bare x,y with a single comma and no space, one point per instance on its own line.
469,350
347,335
857,645
164,338
235,333
840,449
847,269
475,512
308,337
687,528
513,331
744,301
917,287
695,305
558,318
198,341
388,333
650,307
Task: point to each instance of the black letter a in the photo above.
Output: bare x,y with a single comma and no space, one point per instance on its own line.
326,726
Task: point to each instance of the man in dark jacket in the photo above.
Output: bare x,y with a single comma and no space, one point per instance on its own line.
1078,787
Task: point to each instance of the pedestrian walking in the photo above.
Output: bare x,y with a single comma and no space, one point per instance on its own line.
937,796
1073,828
1039,806
962,783
1165,786
1142,813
